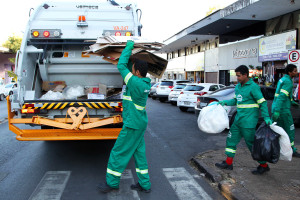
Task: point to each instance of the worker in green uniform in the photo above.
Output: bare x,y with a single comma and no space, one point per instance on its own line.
130,141
248,99
281,107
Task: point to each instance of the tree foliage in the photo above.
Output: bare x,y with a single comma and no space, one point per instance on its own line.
13,43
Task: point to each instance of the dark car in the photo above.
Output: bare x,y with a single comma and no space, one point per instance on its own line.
228,93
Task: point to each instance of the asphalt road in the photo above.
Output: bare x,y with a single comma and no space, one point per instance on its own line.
70,170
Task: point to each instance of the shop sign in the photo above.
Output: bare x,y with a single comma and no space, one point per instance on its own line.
195,62
246,53
276,47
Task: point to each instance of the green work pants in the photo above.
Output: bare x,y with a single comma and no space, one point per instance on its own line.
286,122
130,143
236,133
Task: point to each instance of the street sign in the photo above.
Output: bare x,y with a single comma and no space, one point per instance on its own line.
294,58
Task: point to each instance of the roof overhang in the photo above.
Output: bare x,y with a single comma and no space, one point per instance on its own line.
236,16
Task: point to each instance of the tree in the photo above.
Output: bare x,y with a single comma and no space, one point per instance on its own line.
13,43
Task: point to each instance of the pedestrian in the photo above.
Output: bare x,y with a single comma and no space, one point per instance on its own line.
130,141
249,100
281,107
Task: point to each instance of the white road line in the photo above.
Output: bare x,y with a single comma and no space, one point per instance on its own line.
51,186
184,184
124,192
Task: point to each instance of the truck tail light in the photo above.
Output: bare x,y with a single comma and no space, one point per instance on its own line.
31,105
127,34
118,33
46,33
30,111
35,34
118,109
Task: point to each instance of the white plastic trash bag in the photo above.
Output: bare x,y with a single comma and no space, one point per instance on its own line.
213,119
72,92
50,95
286,151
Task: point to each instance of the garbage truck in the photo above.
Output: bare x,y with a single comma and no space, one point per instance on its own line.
52,55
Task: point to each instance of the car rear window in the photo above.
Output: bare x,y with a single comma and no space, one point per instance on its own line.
166,83
181,86
223,91
193,88
183,82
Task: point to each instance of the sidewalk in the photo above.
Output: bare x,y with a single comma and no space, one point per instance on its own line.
281,182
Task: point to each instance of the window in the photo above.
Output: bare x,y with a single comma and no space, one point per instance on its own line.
199,49
193,88
213,88
166,83
223,91
181,86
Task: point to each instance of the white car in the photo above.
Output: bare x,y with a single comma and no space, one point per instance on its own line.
188,96
175,92
8,88
2,96
152,92
165,87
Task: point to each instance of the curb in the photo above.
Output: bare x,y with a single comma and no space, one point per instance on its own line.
228,188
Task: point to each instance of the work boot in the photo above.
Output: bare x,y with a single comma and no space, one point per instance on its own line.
296,154
104,188
224,165
139,188
260,170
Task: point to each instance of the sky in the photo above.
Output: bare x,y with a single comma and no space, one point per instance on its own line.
161,19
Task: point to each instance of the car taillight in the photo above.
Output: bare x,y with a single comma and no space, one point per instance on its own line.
198,99
172,90
181,92
212,100
30,111
171,87
200,93
157,86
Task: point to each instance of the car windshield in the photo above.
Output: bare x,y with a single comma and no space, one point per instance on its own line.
181,86
9,85
193,88
223,91
166,83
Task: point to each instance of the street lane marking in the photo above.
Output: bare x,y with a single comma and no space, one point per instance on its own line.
124,192
51,186
184,184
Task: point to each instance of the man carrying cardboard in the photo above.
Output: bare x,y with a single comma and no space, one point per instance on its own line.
281,107
249,100
131,141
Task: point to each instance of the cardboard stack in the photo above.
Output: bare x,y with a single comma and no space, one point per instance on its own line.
111,47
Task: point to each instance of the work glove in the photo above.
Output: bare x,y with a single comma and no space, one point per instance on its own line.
294,103
268,120
275,116
130,44
222,103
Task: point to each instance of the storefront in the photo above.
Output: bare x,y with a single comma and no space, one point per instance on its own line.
194,67
273,53
232,55
175,68
211,68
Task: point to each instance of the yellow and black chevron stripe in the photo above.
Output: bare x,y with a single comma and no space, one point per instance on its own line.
62,105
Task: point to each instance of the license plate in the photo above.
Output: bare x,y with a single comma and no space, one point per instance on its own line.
162,88
203,104
187,103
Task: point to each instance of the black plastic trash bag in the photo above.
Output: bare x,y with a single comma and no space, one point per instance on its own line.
266,144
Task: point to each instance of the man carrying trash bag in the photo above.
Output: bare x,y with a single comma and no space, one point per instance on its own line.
248,99
130,141
281,107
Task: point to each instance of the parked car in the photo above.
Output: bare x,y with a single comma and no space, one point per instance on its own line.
188,97
8,89
152,92
165,87
228,93
175,92
2,96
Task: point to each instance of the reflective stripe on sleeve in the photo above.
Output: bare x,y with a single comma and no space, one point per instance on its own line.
248,106
276,95
145,171
261,100
127,77
285,92
113,172
128,98
230,150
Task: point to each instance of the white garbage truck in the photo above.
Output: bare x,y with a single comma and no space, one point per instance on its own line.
52,56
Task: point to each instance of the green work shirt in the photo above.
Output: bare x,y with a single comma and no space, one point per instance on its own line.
283,95
248,99
136,94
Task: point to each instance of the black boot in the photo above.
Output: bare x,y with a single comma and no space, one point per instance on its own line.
139,188
104,188
224,165
260,170
296,154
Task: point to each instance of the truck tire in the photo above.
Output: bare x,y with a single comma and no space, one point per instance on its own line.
174,103
183,109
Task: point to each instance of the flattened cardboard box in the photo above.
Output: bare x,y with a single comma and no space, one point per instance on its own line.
51,85
111,52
